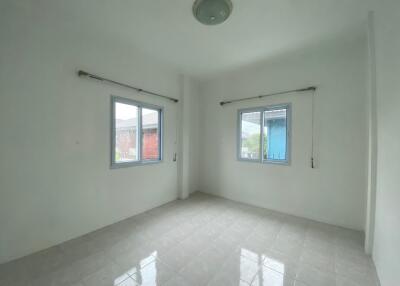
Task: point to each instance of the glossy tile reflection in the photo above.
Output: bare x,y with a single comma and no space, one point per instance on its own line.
203,240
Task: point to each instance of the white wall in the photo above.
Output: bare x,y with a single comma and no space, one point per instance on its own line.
334,192
54,143
372,137
193,117
188,167
387,221
55,180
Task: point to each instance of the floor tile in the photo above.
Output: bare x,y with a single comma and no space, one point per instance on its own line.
110,274
176,257
198,272
128,282
360,281
203,240
239,268
15,273
77,284
324,262
289,245
134,259
224,278
315,277
281,263
176,281
154,273
269,277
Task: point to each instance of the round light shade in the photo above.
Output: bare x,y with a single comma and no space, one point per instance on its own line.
212,12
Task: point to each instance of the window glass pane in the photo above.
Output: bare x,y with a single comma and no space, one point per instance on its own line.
150,134
275,134
250,135
126,133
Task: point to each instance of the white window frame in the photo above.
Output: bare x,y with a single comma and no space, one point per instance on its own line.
288,108
140,106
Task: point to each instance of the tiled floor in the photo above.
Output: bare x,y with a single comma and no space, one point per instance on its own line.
203,240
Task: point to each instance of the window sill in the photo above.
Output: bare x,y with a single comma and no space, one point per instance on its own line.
285,163
133,164
272,162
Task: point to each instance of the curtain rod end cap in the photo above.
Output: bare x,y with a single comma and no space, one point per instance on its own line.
82,73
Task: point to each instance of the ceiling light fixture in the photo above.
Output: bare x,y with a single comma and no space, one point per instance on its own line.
212,12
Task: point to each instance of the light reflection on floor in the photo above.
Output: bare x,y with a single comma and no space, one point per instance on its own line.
249,263
144,273
202,241
264,275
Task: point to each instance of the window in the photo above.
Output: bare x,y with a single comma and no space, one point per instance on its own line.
136,133
264,134
250,135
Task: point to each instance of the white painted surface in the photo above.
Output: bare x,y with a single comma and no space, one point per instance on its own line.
372,138
192,115
55,180
387,222
224,253
54,147
188,122
256,30
334,192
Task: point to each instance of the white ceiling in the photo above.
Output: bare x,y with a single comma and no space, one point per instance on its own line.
257,29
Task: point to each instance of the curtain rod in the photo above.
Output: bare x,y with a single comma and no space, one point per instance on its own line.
82,73
310,88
